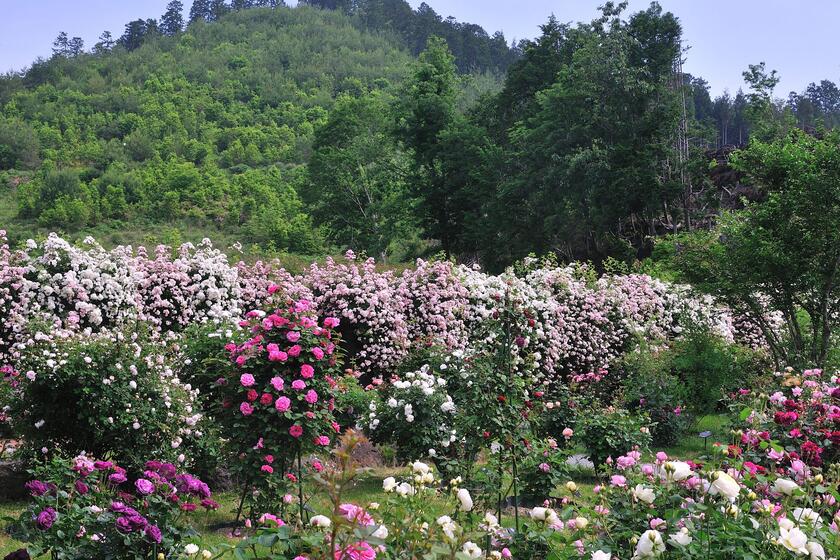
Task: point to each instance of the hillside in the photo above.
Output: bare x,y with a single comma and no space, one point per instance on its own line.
204,129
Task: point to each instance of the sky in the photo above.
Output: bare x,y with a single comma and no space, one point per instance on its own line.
795,37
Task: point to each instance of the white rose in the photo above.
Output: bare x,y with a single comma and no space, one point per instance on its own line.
794,540
816,549
420,467
380,533
405,489
538,513
643,494
785,486
681,538
320,521
650,545
601,555
725,485
191,549
678,470
465,499
471,550
807,515
389,484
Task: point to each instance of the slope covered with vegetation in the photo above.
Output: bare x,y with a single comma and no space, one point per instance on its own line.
208,126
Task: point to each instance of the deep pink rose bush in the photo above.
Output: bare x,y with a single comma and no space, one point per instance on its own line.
793,421
95,509
277,401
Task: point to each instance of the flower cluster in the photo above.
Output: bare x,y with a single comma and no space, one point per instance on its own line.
370,307
796,421
84,508
277,399
113,392
415,411
646,510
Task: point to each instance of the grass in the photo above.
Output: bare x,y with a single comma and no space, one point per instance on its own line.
214,527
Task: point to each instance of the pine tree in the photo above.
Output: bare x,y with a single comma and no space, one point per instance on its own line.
135,31
75,47
218,8
241,4
172,22
200,10
60,45
105,43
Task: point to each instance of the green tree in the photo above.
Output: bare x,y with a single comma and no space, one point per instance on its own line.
200,10
782,253
358,177
427,110
172,21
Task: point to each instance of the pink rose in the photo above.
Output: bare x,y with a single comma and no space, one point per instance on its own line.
307,371
311,397
294,351
296,431
247,380
318,353
246,409
282,404
298,385
292,336
322,440
277,383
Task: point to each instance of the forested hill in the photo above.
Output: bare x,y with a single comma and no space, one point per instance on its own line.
203,129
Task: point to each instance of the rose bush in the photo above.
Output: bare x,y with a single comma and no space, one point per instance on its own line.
85,508
110,393
276,401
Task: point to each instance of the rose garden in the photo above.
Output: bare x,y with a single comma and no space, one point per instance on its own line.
174,404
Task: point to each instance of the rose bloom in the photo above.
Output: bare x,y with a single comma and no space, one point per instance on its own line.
282,404
318,353
311,397
307,371
322,440
246,409
247,380
292,336
266,399
277,383
294,351
298,385
296,431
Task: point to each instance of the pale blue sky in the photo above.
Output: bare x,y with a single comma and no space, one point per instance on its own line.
796,37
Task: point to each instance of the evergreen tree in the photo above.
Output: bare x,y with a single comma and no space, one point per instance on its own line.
134,33
241,4
61,44
218,8
105,43
200,10
75,47
172,21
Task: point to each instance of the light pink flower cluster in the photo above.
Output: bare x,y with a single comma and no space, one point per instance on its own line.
370,307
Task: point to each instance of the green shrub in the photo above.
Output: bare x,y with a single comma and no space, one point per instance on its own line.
709,367
651,388
611,432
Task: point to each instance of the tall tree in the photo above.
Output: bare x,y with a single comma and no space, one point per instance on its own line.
200,10
241,4
428,109
359,177
106,43
218,8
135,32
61,44
172,21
